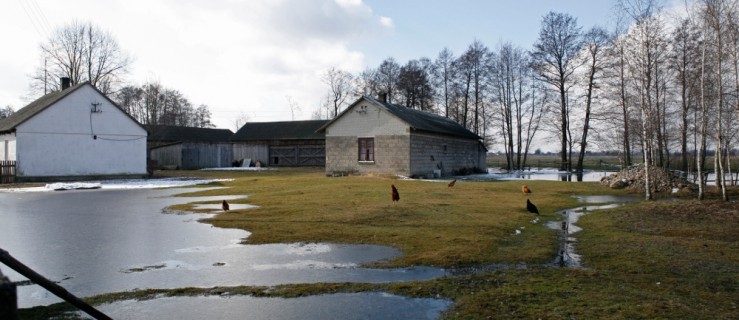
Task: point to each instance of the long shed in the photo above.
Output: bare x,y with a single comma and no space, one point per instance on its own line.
190,148
282,143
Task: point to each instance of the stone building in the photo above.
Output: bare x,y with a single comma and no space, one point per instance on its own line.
373,136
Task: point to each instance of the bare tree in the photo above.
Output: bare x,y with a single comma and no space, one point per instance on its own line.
414,85
443,79
241,119
386,78
554,61
82,52
684,61
340,87
595,41
6,112
293,105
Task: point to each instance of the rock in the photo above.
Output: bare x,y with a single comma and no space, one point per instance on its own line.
619,184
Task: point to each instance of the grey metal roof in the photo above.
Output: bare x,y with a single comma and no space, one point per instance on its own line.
281,130
418,120
10,123
187,134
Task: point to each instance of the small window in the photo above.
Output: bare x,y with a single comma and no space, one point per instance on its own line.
366,149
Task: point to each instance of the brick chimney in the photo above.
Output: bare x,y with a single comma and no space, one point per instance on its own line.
65,82
382,96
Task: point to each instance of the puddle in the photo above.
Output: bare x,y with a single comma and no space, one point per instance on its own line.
333,306
100,241
567,255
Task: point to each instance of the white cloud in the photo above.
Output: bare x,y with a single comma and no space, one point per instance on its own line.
234,56
387,22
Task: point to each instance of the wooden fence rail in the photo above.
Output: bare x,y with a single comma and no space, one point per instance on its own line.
7,172
51,286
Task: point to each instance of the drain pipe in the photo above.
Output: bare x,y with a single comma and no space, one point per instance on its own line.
54,288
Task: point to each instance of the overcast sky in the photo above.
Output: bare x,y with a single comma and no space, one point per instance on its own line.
239,56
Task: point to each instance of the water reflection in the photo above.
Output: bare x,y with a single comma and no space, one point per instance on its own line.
100,241
549,174
567,255
333,306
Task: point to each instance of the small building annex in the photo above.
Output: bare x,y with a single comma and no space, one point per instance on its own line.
188,148
374,136
282,143
73,133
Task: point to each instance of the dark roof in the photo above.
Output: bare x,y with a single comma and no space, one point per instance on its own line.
281,130
418,120
9,124
187,134
40,104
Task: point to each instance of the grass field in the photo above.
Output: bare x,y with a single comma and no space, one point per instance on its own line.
666,259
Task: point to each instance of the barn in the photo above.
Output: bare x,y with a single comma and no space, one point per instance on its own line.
282,143
188,148
73,133
374,136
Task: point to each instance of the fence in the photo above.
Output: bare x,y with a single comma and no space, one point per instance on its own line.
7,172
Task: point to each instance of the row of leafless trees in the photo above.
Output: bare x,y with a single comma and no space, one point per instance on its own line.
153,104
659,85
84,52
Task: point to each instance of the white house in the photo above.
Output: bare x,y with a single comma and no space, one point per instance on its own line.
374,136
71,134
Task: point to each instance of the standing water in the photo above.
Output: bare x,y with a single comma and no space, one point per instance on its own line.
100,241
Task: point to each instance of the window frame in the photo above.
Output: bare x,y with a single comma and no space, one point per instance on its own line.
362,144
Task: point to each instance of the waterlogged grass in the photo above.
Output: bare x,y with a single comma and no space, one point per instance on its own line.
471,223
647,260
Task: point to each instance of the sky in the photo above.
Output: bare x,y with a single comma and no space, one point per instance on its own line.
252,57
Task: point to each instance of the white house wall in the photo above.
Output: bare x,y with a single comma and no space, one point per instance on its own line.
67,139
7,147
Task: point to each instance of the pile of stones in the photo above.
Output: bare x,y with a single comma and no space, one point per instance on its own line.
633,178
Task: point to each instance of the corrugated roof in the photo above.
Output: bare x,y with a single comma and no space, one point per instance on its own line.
281,130
10,123
187,134
418,120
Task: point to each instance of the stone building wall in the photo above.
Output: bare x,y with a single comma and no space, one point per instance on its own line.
447,154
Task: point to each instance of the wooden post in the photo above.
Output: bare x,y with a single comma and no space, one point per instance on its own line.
54,288
8,299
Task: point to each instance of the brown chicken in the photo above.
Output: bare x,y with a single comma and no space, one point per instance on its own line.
451,184
395,194
224,205
525,189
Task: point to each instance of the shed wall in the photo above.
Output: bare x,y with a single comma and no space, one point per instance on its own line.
448,154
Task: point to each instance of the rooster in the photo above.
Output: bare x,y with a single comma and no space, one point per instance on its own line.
395,194
531,207
525,189
451,184
224,206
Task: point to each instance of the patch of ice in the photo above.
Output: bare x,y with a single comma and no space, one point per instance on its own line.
122,184
303,264
236,169
303,249
72,186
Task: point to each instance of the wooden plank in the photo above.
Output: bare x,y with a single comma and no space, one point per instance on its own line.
54,288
